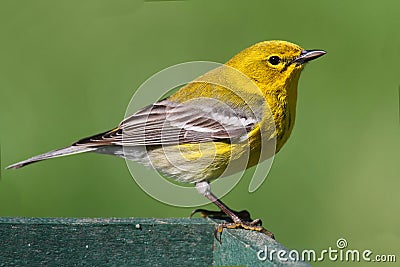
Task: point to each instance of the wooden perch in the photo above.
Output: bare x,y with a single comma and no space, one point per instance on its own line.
130,242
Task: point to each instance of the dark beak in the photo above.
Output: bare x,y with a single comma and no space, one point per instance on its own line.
307,55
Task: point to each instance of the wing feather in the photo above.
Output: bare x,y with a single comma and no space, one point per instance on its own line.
166,122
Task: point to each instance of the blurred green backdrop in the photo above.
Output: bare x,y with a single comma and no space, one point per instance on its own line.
69,68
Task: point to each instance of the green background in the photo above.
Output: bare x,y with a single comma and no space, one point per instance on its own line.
69,68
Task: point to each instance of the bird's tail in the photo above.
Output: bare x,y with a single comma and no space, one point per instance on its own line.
53,154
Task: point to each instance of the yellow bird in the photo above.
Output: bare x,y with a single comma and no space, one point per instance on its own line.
227,120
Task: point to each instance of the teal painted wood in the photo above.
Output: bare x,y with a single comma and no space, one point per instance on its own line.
128,242
249,248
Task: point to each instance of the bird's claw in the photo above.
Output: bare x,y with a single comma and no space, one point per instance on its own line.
255,225
245,222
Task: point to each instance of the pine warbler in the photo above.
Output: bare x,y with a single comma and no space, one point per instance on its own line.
220,119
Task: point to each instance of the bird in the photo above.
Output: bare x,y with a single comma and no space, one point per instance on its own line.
226,120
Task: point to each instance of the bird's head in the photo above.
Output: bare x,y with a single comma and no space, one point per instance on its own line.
273,65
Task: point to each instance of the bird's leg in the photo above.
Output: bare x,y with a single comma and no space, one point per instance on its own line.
237,222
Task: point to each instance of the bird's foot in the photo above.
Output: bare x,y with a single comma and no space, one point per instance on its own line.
242,221
255,225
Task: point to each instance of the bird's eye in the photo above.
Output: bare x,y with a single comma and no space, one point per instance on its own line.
274,60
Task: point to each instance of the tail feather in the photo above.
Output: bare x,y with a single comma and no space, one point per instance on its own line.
53,154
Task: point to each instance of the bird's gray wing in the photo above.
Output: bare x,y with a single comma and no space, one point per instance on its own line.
166,122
